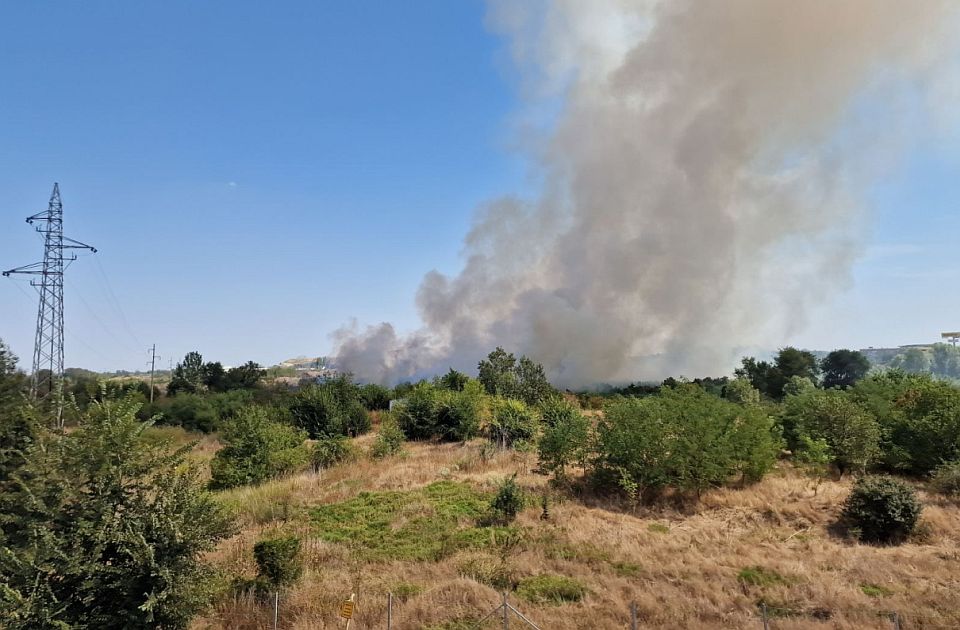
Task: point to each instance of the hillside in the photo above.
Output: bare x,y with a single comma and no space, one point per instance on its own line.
408,524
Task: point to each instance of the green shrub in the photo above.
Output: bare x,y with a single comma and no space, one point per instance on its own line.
256,449
333,407
849,430
924,427
405,590
431,412
946,479
193,412
506,503
550,589
389,440
684,438
375,397
329,451
566,433
513,423
882,509
278,560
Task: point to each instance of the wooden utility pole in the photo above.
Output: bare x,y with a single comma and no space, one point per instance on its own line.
153,366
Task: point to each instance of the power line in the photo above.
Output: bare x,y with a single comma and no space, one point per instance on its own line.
47,379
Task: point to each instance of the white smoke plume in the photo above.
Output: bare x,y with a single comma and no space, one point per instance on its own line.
702,182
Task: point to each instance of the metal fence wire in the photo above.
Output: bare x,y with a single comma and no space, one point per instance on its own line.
265,612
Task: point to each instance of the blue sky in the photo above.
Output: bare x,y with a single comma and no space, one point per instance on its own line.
257,174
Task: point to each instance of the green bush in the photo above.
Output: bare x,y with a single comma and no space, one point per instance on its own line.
193,412
333,407
882,509
946,479
329,451
513,423
375,397
105,529
924,428
431,412
256,449
848,429
566,433
389,440
684,438
278,560
506,503
550,589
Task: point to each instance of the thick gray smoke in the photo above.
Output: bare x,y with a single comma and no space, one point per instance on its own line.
702,183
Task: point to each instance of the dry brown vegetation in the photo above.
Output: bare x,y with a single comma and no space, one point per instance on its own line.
686,565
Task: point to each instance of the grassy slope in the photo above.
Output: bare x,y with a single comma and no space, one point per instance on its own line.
409,524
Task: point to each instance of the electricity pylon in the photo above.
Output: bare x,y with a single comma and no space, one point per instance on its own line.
47,380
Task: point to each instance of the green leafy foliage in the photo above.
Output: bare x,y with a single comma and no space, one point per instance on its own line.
843,368
502,375
770,379
375,397
684,438
432,412
390,438
946,479
923,428
565,438
109,530
333,407
882,509
850,431
551,589
514,424
453,380
329,451
278,561
256,449
506,503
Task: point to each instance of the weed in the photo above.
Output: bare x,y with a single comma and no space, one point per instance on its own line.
550,589
405,590
875,590
759,576
658,528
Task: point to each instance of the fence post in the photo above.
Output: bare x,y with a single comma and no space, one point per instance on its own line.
506,612
276,609
389,611
633,615
763,611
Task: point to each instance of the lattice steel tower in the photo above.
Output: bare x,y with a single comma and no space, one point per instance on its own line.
47,382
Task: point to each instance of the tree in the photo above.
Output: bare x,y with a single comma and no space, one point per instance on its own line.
256,449
18,425
843,368
740,390
330,408
453,380
513,423
188,376
770,379
849,430
945,360
502,375
111,530
496,373
246,376
683,438
924,426
214,377
912,361
565,438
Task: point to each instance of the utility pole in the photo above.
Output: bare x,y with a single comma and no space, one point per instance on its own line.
47,379
153,366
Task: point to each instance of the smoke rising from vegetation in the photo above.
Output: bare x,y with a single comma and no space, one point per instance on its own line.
702,168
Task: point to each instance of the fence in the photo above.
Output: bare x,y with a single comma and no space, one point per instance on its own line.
266,613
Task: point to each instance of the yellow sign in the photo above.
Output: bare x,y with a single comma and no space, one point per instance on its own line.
346,610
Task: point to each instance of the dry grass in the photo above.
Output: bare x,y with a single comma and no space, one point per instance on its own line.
680,564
